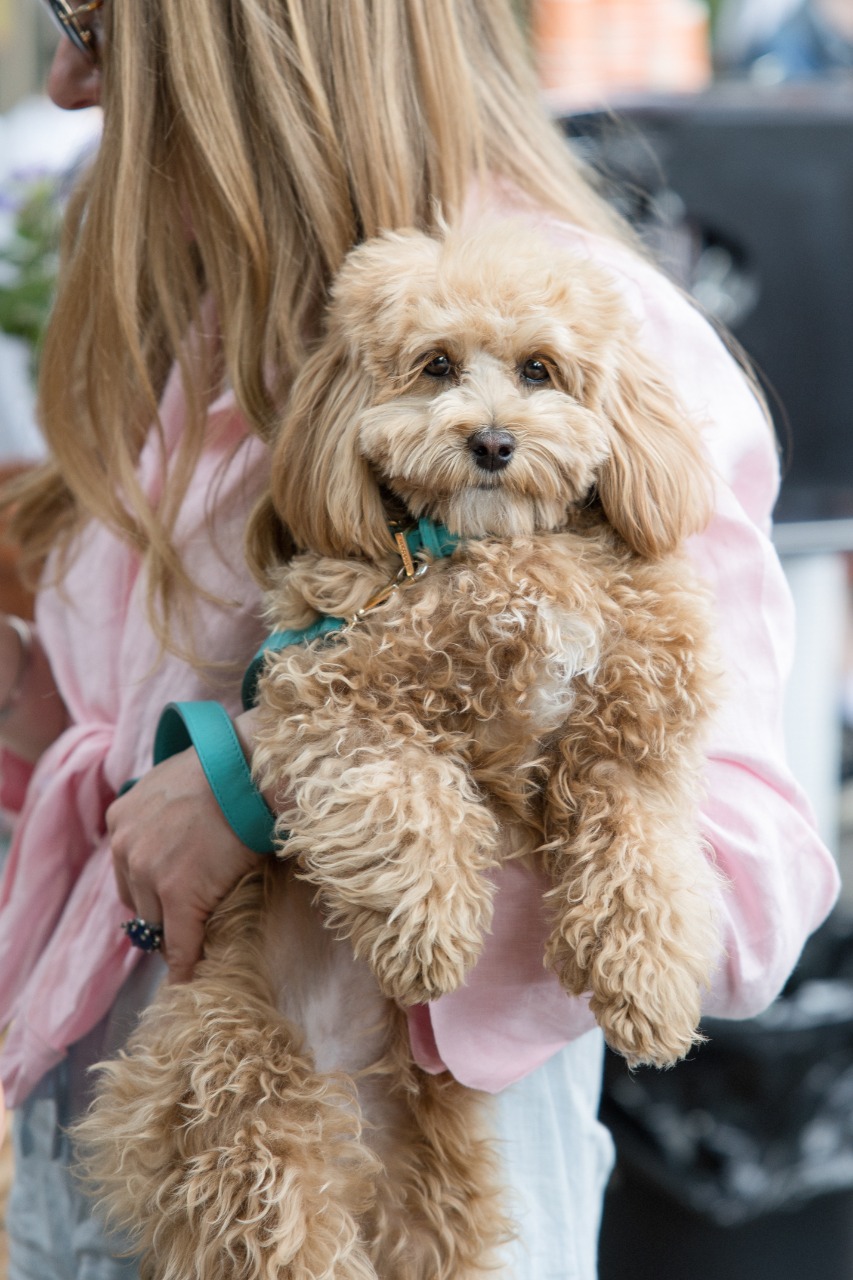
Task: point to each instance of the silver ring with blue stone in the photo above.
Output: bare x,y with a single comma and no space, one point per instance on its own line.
141,934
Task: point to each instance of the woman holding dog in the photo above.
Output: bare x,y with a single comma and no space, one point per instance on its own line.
247,146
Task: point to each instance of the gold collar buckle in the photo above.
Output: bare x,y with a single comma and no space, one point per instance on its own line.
401,579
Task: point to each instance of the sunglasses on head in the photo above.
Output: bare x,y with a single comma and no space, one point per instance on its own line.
68,18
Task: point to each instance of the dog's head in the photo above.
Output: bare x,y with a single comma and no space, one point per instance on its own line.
491,382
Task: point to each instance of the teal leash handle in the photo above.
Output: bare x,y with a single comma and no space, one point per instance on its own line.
207,727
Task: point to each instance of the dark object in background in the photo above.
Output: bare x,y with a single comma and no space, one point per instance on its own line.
738,1164
647,1236
747,194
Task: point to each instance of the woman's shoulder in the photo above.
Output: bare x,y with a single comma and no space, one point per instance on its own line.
711,382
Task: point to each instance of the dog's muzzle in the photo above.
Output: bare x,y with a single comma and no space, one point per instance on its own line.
491,448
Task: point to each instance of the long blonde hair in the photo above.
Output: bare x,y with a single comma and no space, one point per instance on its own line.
247,145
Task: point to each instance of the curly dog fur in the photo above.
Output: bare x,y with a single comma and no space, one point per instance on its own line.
540,694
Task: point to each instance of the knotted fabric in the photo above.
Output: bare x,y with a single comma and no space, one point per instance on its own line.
63,956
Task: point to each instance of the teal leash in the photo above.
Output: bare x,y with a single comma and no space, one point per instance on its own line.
207,726
278,640
426,535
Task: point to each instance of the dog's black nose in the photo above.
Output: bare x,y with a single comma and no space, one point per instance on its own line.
491,448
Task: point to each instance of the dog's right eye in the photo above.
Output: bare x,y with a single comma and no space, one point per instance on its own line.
535,372
438,367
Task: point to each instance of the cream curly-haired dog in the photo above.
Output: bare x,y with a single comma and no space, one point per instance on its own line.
540,693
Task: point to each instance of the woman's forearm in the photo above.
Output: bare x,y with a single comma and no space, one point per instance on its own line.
32,713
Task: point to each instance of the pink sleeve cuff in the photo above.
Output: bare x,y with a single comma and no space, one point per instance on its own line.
422,1038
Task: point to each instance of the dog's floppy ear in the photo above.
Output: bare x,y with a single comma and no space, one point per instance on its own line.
321,487
655,487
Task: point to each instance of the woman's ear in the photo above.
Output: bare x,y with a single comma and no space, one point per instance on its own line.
655,487
321,487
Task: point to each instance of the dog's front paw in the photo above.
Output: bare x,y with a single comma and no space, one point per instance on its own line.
647,1005
422,950
657,1031
423,972
398,843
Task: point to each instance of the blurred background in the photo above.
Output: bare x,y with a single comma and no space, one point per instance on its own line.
724,130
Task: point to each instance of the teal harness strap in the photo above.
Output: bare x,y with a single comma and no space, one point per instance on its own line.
207,727
275,643
434,538
426,535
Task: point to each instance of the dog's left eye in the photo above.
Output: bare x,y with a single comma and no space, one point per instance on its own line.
439,367
535,371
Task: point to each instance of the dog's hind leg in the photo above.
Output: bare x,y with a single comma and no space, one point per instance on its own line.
439,1210
436,1213
215,1142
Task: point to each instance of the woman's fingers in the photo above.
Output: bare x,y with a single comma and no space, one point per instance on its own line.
183,943
175,856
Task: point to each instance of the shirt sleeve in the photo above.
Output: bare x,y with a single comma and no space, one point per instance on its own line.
780,880
15,775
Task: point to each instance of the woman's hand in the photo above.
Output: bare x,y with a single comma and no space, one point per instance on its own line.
175,856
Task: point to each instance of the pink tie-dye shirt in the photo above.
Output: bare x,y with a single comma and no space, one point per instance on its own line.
62,954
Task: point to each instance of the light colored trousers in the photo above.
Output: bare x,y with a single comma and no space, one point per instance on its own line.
556,1156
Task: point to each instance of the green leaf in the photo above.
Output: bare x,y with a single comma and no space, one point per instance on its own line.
29,262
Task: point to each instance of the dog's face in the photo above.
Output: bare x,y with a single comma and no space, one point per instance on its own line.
491,383
483,412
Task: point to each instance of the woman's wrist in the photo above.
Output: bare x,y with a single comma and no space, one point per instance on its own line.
246,727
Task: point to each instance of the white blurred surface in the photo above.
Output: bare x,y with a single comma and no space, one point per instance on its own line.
744,23
36,138
35,135
812,714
